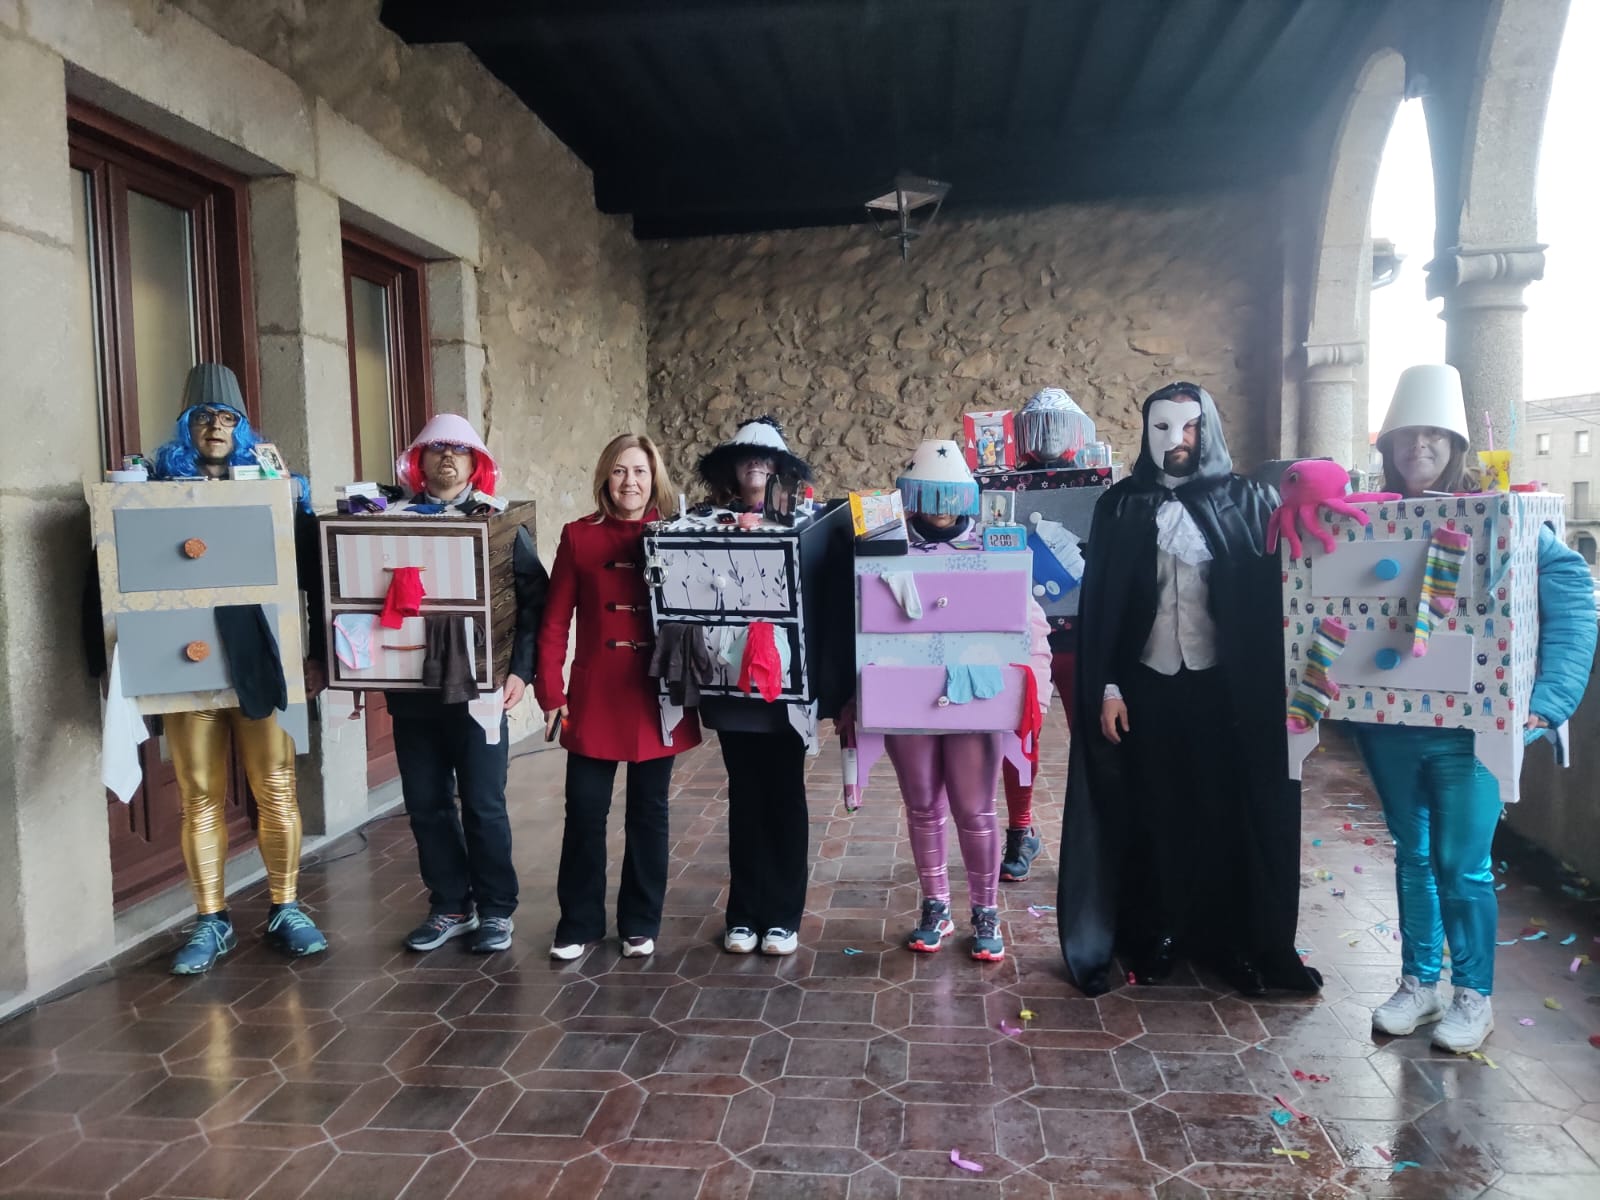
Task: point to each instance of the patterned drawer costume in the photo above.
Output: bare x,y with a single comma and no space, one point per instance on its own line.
1477,667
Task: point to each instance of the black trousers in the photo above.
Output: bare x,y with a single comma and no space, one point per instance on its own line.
581,881
465,854
769,829
1180,755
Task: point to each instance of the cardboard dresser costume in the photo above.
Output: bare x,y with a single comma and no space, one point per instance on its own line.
1054,502
952,654
1181,827
752,628
1438,626
200,607
437,602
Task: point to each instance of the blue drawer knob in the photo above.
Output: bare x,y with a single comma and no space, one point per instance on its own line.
1388,658
1387,568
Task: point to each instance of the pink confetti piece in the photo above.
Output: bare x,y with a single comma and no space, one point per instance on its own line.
1010,1030
1308,1077
1524,1020
1285,1104
1384,1154
1576,963
964,1163
1357,869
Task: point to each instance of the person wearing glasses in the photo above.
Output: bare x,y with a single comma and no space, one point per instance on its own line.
464,854
212,434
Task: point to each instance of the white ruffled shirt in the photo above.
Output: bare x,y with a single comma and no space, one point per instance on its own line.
1183,633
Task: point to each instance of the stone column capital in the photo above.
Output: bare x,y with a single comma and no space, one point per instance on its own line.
1327,362
1497,273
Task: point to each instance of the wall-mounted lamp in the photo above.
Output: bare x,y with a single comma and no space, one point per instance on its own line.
909,210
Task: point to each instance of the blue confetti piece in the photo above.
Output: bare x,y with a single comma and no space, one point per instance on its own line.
1512,942
1316,841
1534,937
1501,867
1569,939
851,950
1279,1117
1401,1166
1499,887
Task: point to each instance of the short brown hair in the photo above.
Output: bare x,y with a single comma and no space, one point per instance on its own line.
660,484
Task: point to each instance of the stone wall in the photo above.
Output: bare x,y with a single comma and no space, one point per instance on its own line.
560,291
862,356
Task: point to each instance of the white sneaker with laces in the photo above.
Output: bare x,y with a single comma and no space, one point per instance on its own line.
741,939
1469,1021
780,941
638,947
1416,1003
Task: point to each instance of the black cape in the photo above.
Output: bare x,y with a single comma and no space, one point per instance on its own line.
1099,893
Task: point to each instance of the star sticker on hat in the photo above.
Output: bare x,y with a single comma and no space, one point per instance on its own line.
944,451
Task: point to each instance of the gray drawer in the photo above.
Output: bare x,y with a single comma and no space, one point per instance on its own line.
239,548
151,648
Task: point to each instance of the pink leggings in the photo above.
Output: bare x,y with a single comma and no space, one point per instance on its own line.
958,772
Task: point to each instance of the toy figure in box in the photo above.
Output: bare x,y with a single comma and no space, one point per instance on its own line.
212,433
956,770
442,745
1182,828
990,440
1442,804
612,712
1051,429
763,751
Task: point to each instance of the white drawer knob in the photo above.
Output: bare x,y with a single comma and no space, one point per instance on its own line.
942,602
943,702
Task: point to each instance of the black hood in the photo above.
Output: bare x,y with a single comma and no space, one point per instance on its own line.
1214,460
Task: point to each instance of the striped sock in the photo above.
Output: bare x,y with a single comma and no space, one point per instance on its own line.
1317,689
1440,576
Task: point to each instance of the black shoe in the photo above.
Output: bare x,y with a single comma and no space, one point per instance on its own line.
1022,847
1245,977
438,929
1157,963
494,933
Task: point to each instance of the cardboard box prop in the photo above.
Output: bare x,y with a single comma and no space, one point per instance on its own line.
466,572
989,440
1056,507
795,578
168,554
1478,667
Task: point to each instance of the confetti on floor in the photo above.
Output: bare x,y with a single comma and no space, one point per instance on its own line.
851,950
1569,939
1279,1117
1552,1003
1291,1155
1403,1164
1524,1020
963,1163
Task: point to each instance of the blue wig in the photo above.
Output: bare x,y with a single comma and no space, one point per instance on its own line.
178,459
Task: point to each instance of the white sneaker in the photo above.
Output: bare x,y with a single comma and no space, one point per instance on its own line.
638,947
568,951
1469,1021
780,941
1416,1003
741,939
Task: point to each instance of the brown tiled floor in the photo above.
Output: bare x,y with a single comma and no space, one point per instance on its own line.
370,1072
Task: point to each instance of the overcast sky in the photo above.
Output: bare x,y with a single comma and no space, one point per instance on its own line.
1562,325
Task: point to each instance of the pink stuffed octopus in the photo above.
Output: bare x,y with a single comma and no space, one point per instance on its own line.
1309,486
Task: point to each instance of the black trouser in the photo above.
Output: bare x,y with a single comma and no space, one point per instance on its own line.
1183,756
465,856
769,829
581,881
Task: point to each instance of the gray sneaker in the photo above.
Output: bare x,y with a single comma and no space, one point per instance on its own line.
494,933
1415,1003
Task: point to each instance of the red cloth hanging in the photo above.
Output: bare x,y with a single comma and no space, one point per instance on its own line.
761,664
1032,723
404,598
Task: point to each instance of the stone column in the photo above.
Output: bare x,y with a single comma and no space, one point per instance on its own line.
55,860
1482,289
1327,418
296,245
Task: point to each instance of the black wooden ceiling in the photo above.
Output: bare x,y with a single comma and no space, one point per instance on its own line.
709,116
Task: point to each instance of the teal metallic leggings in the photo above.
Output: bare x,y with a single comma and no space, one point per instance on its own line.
1442,806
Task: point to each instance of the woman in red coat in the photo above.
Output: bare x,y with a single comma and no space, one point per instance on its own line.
611,713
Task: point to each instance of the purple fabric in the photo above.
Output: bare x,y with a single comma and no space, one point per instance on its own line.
954,772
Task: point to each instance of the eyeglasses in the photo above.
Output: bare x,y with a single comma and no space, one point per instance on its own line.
224,417
448,448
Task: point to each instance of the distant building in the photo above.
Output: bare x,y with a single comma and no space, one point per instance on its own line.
1564,437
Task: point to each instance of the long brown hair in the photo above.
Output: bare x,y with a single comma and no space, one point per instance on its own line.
660,484
1451,479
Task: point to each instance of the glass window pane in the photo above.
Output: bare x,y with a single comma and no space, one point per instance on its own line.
370,351
165,340
89,284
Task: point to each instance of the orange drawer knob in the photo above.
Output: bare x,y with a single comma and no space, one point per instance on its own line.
197,651
194,548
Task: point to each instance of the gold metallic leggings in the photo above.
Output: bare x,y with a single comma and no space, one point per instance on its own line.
198,742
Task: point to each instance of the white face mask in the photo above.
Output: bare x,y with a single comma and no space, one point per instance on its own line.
1164,425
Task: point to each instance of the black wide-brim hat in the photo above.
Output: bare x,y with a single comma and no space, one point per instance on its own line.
760,438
